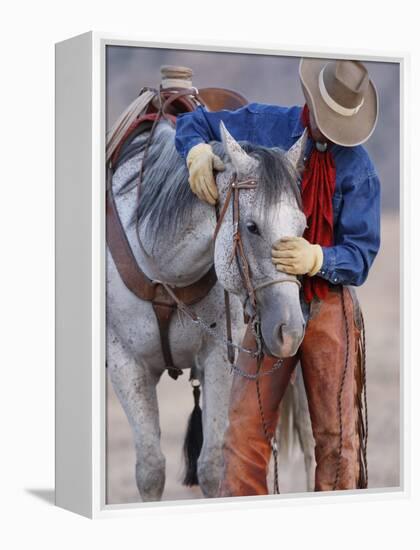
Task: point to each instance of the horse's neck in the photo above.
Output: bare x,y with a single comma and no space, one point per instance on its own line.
179,259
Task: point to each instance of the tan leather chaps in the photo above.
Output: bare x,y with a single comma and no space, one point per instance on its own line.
331,390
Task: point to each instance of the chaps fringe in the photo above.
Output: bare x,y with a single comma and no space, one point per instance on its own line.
361,403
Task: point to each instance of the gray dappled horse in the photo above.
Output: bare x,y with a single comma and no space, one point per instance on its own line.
175,231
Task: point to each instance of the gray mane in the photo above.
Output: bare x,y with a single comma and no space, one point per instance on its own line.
166,198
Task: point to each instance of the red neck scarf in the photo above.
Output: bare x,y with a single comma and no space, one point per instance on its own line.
318,185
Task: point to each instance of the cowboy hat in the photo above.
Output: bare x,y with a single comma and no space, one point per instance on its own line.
342,99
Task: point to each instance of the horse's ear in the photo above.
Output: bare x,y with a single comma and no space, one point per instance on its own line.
241,161
296,152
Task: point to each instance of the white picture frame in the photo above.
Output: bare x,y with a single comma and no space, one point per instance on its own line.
80,276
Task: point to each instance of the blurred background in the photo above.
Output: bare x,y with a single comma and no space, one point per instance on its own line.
275,80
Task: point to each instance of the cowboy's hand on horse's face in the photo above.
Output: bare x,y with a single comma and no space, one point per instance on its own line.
297,256
201,162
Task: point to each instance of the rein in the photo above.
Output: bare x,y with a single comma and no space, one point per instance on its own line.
238,252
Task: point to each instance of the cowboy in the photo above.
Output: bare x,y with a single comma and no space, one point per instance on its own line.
341,199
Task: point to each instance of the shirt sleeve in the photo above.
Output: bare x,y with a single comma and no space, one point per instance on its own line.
357,234
201,126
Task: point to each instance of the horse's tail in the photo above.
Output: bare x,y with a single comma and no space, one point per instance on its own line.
193,438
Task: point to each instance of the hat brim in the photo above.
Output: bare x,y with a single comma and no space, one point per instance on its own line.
343,130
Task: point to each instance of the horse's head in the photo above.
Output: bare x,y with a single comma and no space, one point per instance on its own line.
267,212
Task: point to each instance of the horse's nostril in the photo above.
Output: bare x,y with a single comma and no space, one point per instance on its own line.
281,332
287,334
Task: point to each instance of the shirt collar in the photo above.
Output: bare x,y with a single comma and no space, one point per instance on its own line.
297,129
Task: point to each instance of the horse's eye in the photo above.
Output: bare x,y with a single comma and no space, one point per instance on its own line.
252,228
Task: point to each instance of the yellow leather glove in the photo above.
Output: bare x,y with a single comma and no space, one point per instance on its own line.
296,256
201,162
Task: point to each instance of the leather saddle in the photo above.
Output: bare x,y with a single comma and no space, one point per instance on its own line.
167,103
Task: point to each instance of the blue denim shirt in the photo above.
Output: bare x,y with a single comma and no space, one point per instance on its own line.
356,201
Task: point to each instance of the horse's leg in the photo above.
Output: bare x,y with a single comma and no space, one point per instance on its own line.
135,386
216,381
304,429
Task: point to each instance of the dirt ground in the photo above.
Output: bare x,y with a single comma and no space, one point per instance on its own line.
379,298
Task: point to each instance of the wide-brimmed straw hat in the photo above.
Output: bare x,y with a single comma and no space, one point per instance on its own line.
342,98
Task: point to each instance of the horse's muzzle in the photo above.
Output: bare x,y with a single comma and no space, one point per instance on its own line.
286,340
283,328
